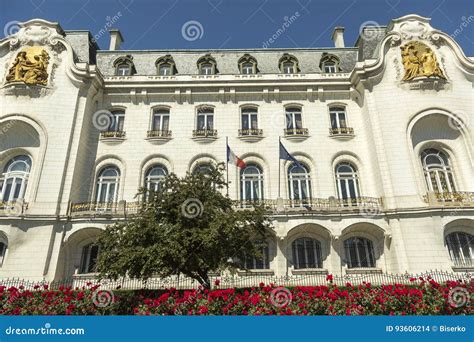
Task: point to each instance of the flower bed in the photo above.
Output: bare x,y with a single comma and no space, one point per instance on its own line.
422,297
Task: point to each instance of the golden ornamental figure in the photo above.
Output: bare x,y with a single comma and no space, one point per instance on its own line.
419,61
30,67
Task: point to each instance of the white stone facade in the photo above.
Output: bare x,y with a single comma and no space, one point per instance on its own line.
393,123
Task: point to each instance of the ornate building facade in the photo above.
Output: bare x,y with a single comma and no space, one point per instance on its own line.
382,133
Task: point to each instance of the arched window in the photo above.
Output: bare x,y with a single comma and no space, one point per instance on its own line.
260,262
249,117
329,63
347,180
359,252
207,65
299,185
307,253
15,178
89,256
437,169
203,169
124,66
108,184
248,65
461,248
154,176
165,66
251,183
288,64
3,249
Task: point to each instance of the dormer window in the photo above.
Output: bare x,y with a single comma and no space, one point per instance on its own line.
207,65
329,64
288,64
166,66
248,65
124,66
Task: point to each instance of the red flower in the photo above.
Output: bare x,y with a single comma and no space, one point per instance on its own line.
329,278
217,282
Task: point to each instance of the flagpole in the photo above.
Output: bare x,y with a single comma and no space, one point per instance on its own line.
279,167
227,162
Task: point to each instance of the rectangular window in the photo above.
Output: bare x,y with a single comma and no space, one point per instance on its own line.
205,119
161,120
117,122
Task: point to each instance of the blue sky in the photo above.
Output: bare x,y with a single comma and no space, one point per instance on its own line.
147,24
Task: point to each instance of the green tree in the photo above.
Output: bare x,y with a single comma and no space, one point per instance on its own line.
188,226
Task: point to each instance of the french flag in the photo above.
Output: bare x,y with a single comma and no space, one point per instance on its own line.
233,159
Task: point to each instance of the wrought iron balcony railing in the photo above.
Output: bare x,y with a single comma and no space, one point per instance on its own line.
361,205
458,198
250,132
204,133
296,132
341,131
112,134
159,134
13,208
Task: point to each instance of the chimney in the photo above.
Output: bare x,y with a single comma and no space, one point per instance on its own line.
338,37
115,39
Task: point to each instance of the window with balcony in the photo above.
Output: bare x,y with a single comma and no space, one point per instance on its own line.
155,176
338,120
461,249
307,253
439,175
249,120
89,256
347,180
251,184
160,123
359,252
14,179
107,185
288,64
205,123
299,185
116,125
294,122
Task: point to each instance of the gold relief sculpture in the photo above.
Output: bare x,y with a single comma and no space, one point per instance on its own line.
420,61
30,66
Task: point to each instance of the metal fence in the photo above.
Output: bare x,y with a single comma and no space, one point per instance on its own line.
242,281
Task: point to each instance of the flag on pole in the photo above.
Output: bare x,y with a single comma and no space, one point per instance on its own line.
285,155
233,159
